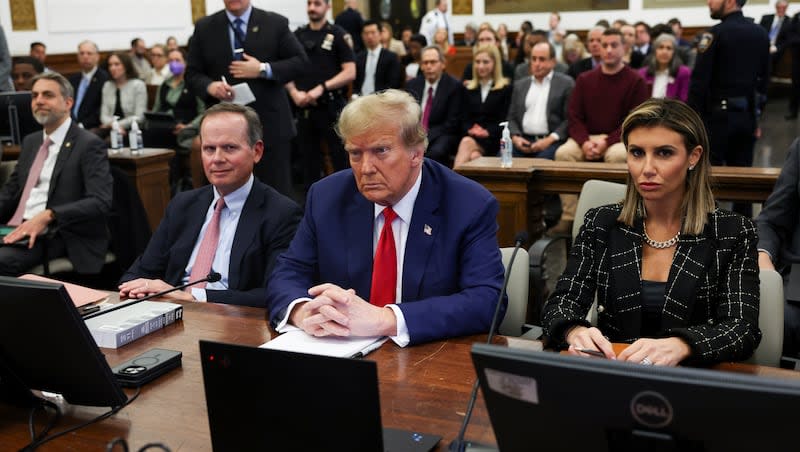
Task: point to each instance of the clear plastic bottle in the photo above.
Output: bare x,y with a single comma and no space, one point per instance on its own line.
135,137
505,146
116,137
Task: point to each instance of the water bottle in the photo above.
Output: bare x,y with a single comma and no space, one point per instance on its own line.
505,147
135,137
116,137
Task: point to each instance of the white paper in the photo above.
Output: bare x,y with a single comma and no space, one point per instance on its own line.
242,94
343,347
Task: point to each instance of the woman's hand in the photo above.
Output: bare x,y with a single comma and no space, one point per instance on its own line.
477,131
580,337
668,351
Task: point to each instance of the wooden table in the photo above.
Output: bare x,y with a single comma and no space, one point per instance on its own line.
148,170
423,387
520,189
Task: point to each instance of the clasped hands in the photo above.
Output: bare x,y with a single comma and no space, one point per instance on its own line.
334,311
525,146
594,148
142,287
668,351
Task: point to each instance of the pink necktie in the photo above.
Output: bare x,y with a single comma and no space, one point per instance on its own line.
208,248
384,265
426,113
33,178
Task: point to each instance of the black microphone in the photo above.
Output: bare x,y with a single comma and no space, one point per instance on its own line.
459,444
212,277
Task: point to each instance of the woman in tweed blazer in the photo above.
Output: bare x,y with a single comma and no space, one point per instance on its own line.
674,276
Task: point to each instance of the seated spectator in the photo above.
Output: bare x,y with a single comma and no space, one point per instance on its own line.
440,40
411,60
172,44
525,27
664,73
160,70
523,70
39,51
632,57
595,58
485,105
643,38
672,274
599,103
558,43
779,241
619,23
138,57
470,35
677,30
573,50
23,70
88,86
236,226
487,36
505,41
553,24
377,69
124,96
439,96
388,42
537,118
406,34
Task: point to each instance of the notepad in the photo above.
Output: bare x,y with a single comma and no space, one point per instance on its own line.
343,347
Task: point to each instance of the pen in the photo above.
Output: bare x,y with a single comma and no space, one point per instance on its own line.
369,348
591,352
224,81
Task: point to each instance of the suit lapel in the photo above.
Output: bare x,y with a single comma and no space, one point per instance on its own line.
253,34
423,234
692,255
358,234
625,255
246,230
63,154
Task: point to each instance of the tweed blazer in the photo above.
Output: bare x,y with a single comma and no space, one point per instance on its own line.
712,292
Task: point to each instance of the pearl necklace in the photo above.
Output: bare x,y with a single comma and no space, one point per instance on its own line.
660,245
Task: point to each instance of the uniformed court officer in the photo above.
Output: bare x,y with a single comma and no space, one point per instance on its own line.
729,85
318,94
434,20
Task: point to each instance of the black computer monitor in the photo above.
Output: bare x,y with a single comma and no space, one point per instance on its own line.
547,401
45,345
16,117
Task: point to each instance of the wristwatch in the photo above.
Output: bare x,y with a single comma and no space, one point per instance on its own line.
263,68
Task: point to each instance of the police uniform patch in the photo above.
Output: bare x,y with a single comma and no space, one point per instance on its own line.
705,42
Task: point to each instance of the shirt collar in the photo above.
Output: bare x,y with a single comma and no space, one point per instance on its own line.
547,78
405,207
90,74
432,85
245,18
235,200
58,135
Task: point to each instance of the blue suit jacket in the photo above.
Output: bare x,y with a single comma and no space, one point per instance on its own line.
452,273
266,227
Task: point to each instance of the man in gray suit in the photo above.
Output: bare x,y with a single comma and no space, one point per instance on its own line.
537,118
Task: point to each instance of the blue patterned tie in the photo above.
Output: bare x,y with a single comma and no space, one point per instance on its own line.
238,38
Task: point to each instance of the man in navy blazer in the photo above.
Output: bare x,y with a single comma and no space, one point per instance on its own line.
445,115
87,111
388,73
256,223
448,267
271,56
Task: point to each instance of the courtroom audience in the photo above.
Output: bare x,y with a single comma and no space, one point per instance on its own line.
677,30
664,73
643,38
487,36
236,226
485,105
410,61
440,40
160,70
38,50
389,42
573,50
595,48
377,68
23,70
439,95
356,268
505,41
599,103
124,95
673,275
470,35
632,57
172,43
138,56
88,86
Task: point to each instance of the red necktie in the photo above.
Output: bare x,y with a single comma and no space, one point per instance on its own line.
426,113
33,179
384,265
208,248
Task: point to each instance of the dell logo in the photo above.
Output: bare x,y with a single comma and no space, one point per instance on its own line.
651,409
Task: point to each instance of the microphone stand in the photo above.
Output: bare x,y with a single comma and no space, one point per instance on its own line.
460,444
212,277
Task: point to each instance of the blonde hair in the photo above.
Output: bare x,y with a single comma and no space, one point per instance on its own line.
698,199
391,106
498,81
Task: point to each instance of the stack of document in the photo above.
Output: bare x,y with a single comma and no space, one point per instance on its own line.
343,347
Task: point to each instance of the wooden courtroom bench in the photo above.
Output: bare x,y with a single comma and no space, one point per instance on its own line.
520,189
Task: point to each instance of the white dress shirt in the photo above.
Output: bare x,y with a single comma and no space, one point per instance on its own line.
37,200
228,222
534,121
485,88
660,82
370,66
404,209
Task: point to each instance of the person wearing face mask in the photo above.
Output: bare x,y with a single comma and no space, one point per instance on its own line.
174,97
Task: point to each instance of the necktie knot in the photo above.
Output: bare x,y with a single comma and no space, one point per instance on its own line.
238,22
389,215
220,205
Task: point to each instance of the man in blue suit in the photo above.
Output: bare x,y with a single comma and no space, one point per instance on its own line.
236,226
434,271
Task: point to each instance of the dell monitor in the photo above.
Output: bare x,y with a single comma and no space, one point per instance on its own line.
45,345
16,117
547,401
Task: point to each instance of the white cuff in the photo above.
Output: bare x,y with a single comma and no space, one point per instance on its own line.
199,294
402,338
284,325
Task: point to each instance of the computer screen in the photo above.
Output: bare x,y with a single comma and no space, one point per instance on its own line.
16,117
547,401
45,345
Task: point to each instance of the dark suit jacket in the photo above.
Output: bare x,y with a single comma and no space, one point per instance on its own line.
508,71
388,73
452,271
352,22
557,101
712,293
266,227
445,113
487,114
579,67
79,195
269,40
783,33
89,113
779,220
